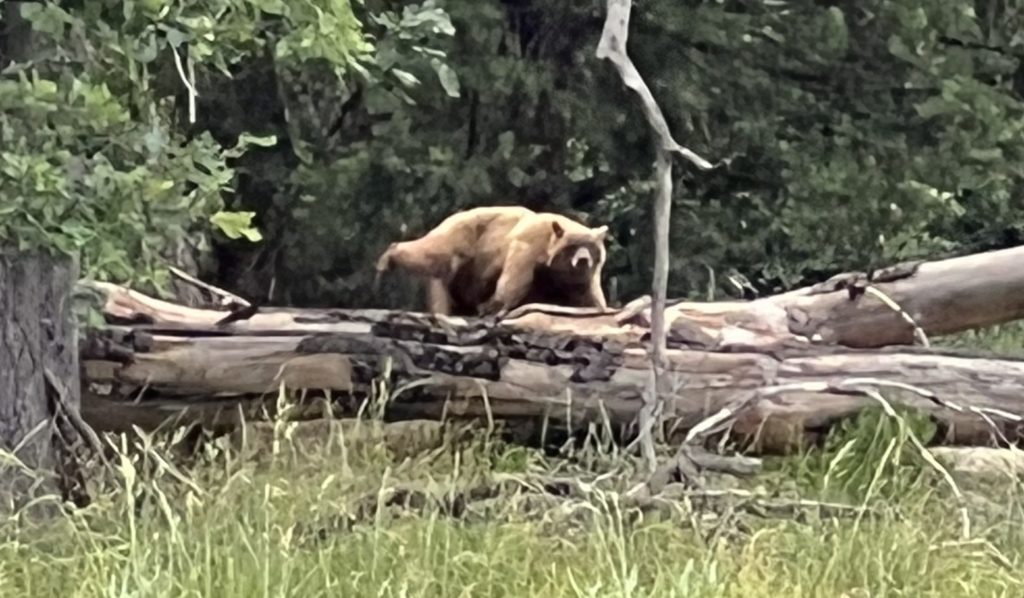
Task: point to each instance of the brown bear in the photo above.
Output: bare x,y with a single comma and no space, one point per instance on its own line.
489,260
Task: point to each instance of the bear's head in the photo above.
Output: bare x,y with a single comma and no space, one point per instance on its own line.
576,252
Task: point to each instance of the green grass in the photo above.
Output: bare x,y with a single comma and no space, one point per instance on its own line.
239,527
232,523
1005,339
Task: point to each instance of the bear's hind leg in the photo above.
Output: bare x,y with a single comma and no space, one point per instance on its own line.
421,257
439,300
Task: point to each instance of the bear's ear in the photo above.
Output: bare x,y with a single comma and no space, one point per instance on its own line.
559,231
600,232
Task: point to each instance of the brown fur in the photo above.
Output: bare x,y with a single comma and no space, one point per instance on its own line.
493,259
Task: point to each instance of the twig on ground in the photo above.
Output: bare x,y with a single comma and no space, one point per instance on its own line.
537,495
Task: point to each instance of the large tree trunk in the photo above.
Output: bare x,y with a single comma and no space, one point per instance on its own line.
591,366
39,373
39,370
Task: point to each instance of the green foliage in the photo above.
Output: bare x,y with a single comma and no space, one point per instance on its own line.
1004,339
849,136
236,225
842,168
94,159
852,135
870,457
231,526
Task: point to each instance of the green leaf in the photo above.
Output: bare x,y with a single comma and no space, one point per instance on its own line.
158,187
405,77
272,7
262,141
155,141
153,7
146,49
381,101
46,17
936,106
430,51
992,154
506,143
899,49
175,37
449,80
235,225
517,177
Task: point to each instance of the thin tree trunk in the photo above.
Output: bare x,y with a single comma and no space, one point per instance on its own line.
612,47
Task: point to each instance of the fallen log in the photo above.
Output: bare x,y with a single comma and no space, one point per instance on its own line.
941,297
778,362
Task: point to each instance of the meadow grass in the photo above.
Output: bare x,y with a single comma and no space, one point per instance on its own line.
237,523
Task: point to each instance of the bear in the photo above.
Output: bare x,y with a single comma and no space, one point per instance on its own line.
490,260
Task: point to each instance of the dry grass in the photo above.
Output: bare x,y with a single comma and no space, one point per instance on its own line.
236,524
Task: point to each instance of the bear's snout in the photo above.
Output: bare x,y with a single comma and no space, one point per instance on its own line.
581,254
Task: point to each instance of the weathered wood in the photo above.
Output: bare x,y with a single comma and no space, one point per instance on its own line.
570,385
943,297
39,376
522,376
587,365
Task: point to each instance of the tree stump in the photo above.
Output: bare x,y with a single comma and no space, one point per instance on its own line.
39,372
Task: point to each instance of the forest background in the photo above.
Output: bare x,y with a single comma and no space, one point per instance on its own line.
847,135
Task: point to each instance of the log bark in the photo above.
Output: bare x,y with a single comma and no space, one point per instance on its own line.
579,385
591,366
943,297
39,375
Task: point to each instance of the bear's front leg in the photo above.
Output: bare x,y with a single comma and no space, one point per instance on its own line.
595,294
514,282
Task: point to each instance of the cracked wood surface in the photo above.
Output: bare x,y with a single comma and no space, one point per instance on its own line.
567,365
